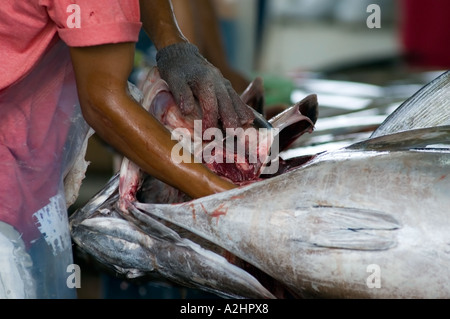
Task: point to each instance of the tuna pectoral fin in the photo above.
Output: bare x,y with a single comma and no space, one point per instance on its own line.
352,239
352,228
295,121
253,95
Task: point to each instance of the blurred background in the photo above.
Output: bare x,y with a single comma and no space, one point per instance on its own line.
361,60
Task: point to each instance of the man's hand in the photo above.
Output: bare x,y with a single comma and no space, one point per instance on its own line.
192,78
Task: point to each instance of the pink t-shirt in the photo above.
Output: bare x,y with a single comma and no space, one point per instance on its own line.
38,94
27,28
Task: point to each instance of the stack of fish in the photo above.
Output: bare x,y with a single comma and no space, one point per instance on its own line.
366,220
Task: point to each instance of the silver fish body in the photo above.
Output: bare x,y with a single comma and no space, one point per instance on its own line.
328,228
367,221
147,248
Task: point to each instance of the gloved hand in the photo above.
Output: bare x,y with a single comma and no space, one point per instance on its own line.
190,76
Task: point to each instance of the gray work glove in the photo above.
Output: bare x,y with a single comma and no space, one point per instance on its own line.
191,77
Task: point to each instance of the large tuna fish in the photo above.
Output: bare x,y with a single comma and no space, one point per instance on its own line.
368,220
100,230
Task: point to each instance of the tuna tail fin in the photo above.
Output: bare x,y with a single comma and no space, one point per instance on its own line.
352,228
428,107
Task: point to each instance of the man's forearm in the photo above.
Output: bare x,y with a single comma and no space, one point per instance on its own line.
101,74
159,23
148,144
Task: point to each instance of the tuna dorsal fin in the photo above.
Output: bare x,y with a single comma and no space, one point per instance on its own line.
352,228
428,107
412,139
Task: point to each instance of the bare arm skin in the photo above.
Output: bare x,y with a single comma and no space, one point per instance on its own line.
159,23
101,75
